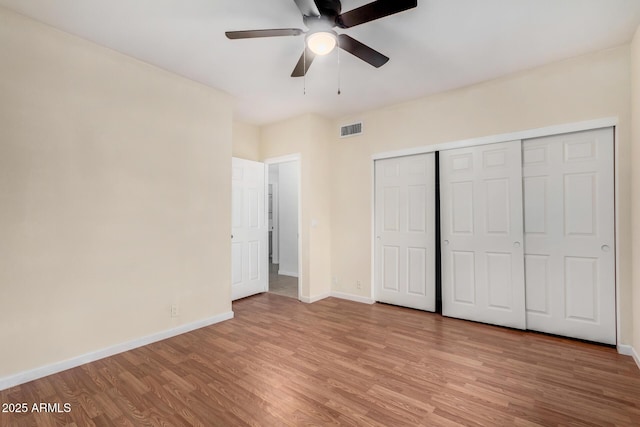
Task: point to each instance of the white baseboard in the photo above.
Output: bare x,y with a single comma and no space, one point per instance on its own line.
311,300
341,295
288,273
43,371
628,350
352,297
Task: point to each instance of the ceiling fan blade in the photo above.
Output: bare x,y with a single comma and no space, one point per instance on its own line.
372,11
307,7
252,34
362,51
303,64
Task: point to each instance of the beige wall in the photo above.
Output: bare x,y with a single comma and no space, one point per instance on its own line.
635,195
583,88
246,141
114,197
309,136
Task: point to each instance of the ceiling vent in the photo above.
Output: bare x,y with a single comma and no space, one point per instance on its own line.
352,129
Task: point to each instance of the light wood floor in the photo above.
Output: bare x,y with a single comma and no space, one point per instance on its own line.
283,362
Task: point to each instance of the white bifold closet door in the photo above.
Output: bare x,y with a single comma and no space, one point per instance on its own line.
405,231
569,235
482,235
249,233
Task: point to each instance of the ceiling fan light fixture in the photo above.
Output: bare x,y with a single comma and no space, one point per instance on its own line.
321,42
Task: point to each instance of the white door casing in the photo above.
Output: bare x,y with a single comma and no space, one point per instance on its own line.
288,218
249,231
405,231
482,234
275,218
569,235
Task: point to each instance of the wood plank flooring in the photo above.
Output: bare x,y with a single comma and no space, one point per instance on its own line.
335,362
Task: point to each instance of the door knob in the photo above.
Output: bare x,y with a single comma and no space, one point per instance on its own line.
605,248
446,242
232,236
516,244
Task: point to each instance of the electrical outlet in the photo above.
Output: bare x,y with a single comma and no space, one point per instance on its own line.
358,284
174,310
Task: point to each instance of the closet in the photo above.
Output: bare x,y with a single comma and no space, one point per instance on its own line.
528,234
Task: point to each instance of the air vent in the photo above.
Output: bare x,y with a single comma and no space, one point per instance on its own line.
351,130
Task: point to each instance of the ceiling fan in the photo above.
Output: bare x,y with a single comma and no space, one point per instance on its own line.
320,17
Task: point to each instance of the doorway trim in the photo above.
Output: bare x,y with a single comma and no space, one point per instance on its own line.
275,240
521,135
285,159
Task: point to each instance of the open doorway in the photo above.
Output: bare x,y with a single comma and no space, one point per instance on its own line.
283,210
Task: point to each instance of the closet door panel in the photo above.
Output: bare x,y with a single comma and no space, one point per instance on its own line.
482,234
569,234
405,231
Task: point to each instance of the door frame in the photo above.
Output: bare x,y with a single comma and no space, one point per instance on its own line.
285,159
275,241
522,135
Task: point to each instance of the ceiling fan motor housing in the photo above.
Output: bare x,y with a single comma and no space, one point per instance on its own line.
319,23
329,8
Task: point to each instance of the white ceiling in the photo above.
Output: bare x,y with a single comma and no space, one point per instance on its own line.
440,45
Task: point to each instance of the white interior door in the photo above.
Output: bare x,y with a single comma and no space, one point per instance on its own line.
405,231
569,235
481,234
249,233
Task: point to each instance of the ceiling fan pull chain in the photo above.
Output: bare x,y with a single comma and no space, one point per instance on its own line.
338,43
304,67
